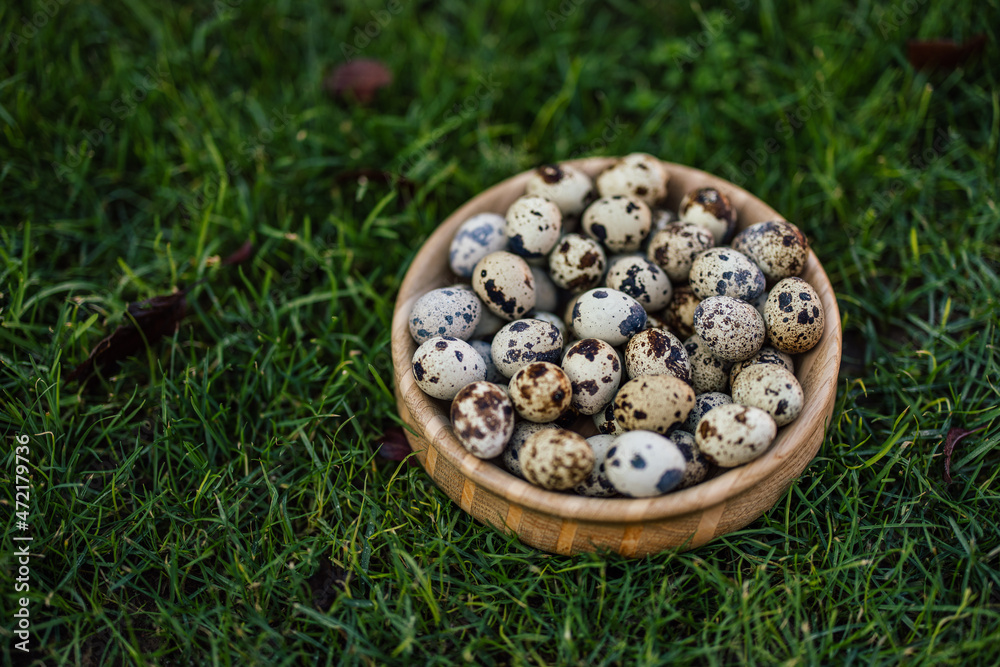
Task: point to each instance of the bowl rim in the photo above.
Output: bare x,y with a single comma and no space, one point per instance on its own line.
713,493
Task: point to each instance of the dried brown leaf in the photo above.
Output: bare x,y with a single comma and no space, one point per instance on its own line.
955,435
146,322
359,79
943,53
394,446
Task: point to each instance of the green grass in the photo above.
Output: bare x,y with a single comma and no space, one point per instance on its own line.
218,500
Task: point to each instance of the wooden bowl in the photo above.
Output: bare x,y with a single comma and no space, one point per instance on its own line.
564,523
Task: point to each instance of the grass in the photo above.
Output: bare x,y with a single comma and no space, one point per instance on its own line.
218,499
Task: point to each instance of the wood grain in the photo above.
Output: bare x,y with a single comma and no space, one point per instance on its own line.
565,523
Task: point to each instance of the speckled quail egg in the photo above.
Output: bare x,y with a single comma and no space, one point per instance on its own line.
725,272
674,248
488,325
653,403
445,312
712,210
597,484
768,354
484,349
709,373
696,465
794,315
642,464
505,284
772,388
556,459
679,313
605,421
732,329
443,365
618,222
533,226
731,435
476,237
637,175
511,457
540,391
607,314
546,292
577,263
657,352
483,418
660,218
594,371
521,342
642,280
778,247
554,320
566,186
702,404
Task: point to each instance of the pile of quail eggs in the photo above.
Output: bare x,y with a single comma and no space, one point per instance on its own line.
587,300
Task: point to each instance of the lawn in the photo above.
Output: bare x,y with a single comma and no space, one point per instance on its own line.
218,498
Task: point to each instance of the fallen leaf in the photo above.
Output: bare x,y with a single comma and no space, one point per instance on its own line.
241,255
955,435
943,53
145,323
394,446
327,584
359,79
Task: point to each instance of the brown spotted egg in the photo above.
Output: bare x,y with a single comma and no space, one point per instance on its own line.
679,313
702,404
605,422
768,354
445,312
476,237
566,186
731,435
554,320
485,350
504,283
642,280
607,314
577,263
556,459
642,464
653,403
483,419
772,388
725,272
620,223
540,392
511,457
546,292
522,342
711,209
778,247
637,175
732,329
533,226
597,484
443,365
657,352
709,373
794,315
674,248
594,371
695,464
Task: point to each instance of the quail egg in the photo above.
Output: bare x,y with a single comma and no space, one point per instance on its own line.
476,237
731,435
445,312
642,464
607,314
505,284
443,365
556,459
483,418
